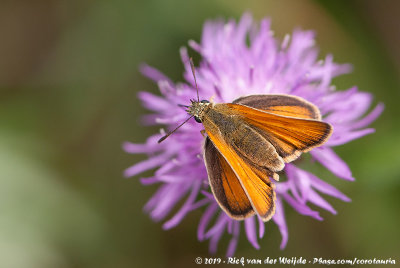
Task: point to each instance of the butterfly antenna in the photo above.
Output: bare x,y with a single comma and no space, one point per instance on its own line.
194,75
169,133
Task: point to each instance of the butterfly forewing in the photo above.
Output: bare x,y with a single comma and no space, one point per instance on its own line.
225,185
259,191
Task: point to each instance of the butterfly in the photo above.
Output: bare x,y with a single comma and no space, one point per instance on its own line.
249,141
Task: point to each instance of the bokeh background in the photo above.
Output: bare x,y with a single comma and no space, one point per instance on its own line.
68,84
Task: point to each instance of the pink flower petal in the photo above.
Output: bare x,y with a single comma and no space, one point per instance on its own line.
279,219
153,73
185,208
329,159
250,228
234,240
205,220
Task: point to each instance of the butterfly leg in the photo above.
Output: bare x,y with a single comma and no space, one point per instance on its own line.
203,133
212,98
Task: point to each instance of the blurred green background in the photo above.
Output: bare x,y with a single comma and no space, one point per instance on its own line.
68,83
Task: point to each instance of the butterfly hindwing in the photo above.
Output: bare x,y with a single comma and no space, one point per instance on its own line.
287,105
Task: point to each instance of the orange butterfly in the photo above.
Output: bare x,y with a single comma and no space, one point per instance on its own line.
249,141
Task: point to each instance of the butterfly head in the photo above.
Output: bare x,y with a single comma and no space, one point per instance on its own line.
198,108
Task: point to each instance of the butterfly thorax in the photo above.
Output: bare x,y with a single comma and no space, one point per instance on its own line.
198,109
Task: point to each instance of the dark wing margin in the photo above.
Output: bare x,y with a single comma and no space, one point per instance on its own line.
225,185
287,105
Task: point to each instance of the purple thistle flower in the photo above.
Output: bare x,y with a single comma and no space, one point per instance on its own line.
231,68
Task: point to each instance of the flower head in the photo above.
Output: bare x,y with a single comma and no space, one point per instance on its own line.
245,59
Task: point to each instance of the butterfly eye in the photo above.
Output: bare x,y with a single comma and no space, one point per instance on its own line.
197,119
205,101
